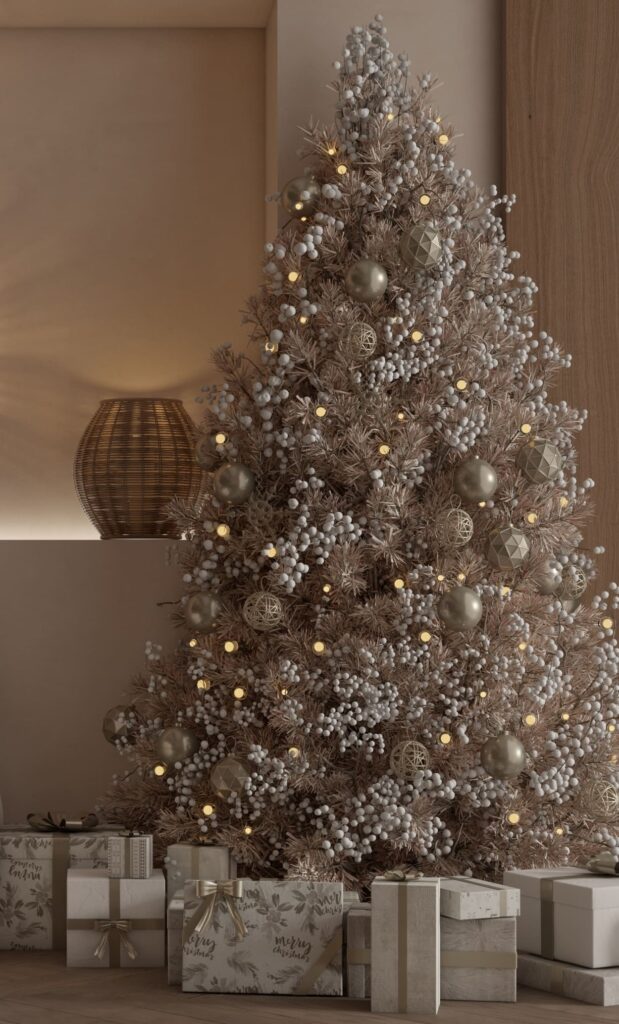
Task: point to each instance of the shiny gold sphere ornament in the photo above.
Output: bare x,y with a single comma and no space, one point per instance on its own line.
263,611
175,744
360,341
407,758
454,527
549,578
366,280
602,799
233,483
475,480
299,196
202,610
420,247
206,454
115,724
540,461
574,582
228,777
507,548
503,757
460,609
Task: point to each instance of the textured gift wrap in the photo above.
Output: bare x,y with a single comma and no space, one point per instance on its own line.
479,959
175,938
600,987
468,899
33,882
405,945
536,927
279,938
115,922
197,860
357,951
130,856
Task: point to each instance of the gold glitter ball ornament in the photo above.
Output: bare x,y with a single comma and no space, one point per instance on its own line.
228,777
454,527
407,758
263,611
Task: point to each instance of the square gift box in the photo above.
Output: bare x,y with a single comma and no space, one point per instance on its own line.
538,924
33,882
130,856
479,959
175,938
280,938
115,922
197,860
358,950
467,899
599,987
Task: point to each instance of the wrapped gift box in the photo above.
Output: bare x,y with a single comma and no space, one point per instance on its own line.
33,882
186,861
358,941
130,856
599,987
115,922
539,925
479,959
467,899
405,945
263,937
175,938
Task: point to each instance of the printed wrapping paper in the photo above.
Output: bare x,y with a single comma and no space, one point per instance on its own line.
115,922
130,856
197,860
33,882
268,937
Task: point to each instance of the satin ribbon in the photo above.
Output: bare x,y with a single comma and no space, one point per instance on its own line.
115,929
209,893
49,823
403,873
122,927
471,958
603,864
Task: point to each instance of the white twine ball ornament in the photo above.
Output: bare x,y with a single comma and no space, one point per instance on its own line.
407,758
263,611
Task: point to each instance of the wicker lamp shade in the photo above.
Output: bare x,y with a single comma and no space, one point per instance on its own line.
135,456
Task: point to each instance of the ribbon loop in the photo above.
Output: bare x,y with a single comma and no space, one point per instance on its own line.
122,928
402,873
229,892
50,823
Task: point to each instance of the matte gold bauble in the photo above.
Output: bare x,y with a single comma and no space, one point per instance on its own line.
300,195
366,281
503,757
175,744
475,480
202,610
115,723
548,578
233,483
460,609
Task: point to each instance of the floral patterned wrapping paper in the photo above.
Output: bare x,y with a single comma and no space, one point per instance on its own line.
293,944
33,869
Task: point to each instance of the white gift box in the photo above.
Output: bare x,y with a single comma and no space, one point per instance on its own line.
175,938
539,925
600,987
405,974
130,856
115,922
197,860
358,942
479,959
467,899
263,937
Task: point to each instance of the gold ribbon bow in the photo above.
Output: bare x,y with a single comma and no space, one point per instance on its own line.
403,873
49,823
603,864
122,928
228,891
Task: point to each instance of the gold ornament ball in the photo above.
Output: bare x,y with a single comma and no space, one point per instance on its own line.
540,461
503,757
263,611
475,480
454,527
115,723
460,609
508,548
202,611
366,280
420,247
233,483
228,777
300,195
206,454
407,758
175,744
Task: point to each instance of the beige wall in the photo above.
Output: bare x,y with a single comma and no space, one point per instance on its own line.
131,226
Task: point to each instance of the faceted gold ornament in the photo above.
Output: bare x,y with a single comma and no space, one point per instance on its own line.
175,744
540,461
407,758
228,777
263,611
420,247
507,548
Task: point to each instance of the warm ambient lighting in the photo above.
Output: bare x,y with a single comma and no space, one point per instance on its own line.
462,384
293,276
231,646
271,346
318,647
159,770
424,199
248,830
342,169
529,719
559,831
223,530
384,449
525,428
445,739
207,810
611,726
320,411
193,642
483,694
399,584
522,646
565,716
416,336
294,752
271,552
220,438
564,502
443,139
390,115
331,150
607,623
461,577
513,817
326,588
425,637
532,518
506,591
203,684
239,693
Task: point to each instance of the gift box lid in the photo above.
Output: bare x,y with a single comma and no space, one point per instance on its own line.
591,892
467,899
529,880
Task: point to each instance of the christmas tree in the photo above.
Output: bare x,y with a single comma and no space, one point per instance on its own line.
385,656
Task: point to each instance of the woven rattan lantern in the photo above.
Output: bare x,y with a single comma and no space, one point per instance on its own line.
136,455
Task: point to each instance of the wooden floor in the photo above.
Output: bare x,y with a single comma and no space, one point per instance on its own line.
36,988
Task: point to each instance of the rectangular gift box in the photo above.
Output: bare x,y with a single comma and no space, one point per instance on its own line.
467,899
600,987
115,922
537,925
405,973
197,860
358,941
279,938
33,882
175,938
130,856
479,959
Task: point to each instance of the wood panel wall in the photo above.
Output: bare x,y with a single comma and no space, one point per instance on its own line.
561,158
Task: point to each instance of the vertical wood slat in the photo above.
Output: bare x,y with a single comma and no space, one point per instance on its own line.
561,141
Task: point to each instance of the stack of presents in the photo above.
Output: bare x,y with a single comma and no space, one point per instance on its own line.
417,940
